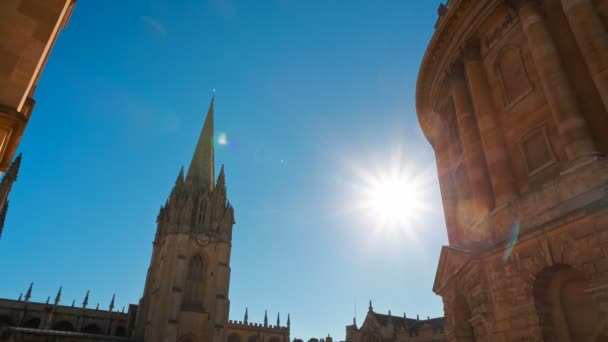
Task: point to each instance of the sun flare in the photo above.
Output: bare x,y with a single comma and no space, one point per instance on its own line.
393,195
393,200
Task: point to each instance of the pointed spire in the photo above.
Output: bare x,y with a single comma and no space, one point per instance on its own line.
73,302
265,318
112,302
288,320
371,308
86,300
246,316
97,308
28,293
48,300
20,295
355,321
221,179
123,309
417,317
5,188
389,312
58,297
180,176
278,319
404,315
201,168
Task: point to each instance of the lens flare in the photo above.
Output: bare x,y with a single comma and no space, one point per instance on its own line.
512,241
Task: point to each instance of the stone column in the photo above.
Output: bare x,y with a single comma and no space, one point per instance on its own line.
567,115
448,191
592,39
491,135
471,144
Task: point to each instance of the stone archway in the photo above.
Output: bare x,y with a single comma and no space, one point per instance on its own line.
234,337
565,310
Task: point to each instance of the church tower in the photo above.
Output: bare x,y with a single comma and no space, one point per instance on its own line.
186,292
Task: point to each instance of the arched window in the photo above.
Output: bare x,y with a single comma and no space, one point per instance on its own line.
513,76
234,337
63,326
92,329
565,310
194,291
32,323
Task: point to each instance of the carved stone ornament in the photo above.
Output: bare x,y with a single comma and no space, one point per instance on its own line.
204,238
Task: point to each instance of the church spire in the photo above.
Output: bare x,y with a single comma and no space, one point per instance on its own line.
201,168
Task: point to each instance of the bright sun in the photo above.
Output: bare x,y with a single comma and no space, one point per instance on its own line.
394,196
393,200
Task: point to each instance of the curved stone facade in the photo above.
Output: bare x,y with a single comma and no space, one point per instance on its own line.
513,97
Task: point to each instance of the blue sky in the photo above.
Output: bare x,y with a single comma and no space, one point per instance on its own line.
312,96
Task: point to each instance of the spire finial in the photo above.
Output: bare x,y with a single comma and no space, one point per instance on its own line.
97,308
28,293
404,315
371,308
73,302
417,317
265,318
58,297
20,295
278,319
48,300
201,168
112,302
389,312
288,320
86,300
180,176
246,320
123,309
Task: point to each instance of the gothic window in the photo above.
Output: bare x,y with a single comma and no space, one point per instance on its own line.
63,326
513,76
32,323
195,284
234,338
202,211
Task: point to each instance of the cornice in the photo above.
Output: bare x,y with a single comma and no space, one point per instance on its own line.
454,28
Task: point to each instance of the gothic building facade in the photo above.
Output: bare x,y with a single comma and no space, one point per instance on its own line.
513,97
379,327
186,290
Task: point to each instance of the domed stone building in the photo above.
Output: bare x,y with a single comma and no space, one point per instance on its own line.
513,97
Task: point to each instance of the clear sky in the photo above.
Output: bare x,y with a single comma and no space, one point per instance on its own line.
315,99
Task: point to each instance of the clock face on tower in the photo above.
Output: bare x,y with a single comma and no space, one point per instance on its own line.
202,239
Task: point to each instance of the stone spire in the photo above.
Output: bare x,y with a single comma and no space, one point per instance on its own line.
5,188
112,302
288,321
86,300
73,302
28,294
201,170
278,319
180,177
246,316
265,319
58,297
20,296
371,308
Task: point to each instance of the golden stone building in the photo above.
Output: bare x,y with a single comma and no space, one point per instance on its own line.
513,97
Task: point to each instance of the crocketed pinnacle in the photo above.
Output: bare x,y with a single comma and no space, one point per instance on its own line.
201,170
